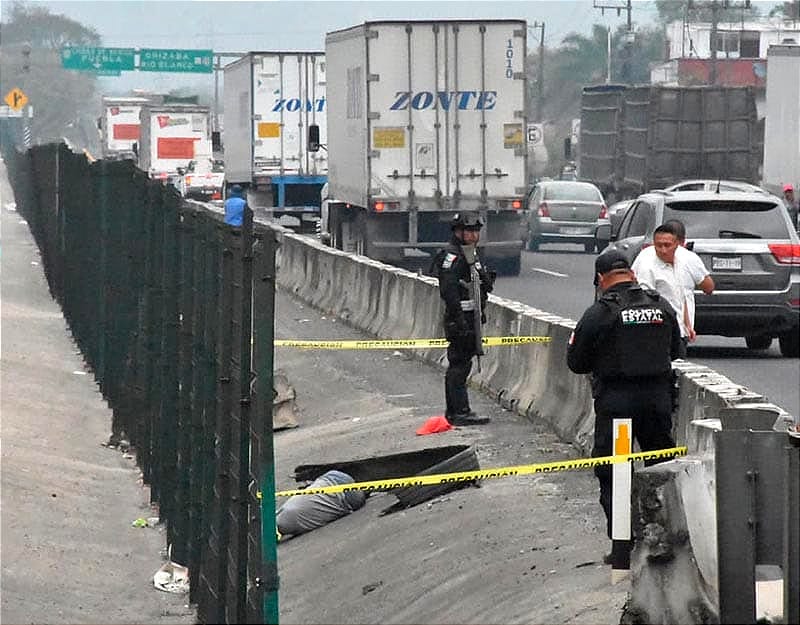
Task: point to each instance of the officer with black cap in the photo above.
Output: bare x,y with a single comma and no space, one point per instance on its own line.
458,266
626,340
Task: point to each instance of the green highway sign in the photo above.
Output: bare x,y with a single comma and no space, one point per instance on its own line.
154,60
98,59
107,72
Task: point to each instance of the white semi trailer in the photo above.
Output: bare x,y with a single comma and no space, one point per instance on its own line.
273,101
782,123
425,119
119,125
171,136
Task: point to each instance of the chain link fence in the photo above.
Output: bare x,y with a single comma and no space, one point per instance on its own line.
173,311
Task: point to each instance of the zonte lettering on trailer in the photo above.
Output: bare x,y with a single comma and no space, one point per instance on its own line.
445,100
294,104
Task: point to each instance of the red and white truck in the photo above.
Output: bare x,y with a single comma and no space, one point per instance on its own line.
119,125
171,136
204,180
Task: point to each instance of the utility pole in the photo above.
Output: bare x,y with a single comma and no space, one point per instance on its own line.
712,78
540,75
619,6
715,6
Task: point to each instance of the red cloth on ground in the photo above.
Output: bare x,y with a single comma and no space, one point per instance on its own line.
434,425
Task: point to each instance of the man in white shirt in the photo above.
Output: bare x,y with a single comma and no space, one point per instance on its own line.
675,272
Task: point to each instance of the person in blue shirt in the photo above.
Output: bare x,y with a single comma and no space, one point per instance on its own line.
234,206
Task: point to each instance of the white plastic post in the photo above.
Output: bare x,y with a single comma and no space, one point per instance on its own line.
621,479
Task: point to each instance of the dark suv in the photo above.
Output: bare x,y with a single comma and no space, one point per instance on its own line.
751,249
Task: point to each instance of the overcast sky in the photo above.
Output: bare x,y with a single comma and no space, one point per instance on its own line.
237,26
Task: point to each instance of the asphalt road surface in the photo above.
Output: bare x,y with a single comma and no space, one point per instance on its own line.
558,279
519,550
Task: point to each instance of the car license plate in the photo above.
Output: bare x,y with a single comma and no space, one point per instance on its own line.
566,230
730,263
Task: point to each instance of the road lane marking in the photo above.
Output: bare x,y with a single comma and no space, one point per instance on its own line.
550,273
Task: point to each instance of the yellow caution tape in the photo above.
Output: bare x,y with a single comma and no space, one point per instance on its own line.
489,341
485,474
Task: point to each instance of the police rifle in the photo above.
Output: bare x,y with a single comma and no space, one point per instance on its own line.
475,288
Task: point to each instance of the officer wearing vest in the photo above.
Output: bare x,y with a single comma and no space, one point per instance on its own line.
458,266
626,340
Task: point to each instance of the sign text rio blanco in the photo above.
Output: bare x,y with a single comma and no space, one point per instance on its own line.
114,60
196,61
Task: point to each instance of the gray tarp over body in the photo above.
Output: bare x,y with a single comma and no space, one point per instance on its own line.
303,513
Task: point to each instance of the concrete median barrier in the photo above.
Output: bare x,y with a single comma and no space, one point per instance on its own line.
532,380
674,564
674,573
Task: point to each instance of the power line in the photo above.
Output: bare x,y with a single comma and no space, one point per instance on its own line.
619,6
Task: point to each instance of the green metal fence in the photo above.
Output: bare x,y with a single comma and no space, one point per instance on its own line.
173,311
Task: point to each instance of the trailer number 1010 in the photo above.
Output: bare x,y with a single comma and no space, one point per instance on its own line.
509,59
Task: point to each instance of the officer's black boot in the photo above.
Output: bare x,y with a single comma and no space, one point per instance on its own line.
468,418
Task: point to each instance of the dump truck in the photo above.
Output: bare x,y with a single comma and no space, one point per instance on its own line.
425,119
637,138
119,126
273,102
172,135
782,123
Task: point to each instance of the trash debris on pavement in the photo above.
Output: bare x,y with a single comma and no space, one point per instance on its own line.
434,425
303,513
370,587
172,578
284,409
140,522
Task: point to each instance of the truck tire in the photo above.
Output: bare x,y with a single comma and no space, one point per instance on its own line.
360,235
758,342
335,227
790,343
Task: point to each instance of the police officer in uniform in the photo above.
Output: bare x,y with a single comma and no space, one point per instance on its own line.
455,266
626,340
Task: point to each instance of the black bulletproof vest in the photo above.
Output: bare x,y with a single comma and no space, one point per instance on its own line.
638,344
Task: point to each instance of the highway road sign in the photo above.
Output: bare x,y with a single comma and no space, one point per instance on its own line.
7,111
535,134
16,99
155,60
98,59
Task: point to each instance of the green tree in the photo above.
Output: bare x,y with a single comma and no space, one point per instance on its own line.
579,61
790,10
42,29
64,102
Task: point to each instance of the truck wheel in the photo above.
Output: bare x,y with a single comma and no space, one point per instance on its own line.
758,342
589,247
335,228
790,343
360,236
